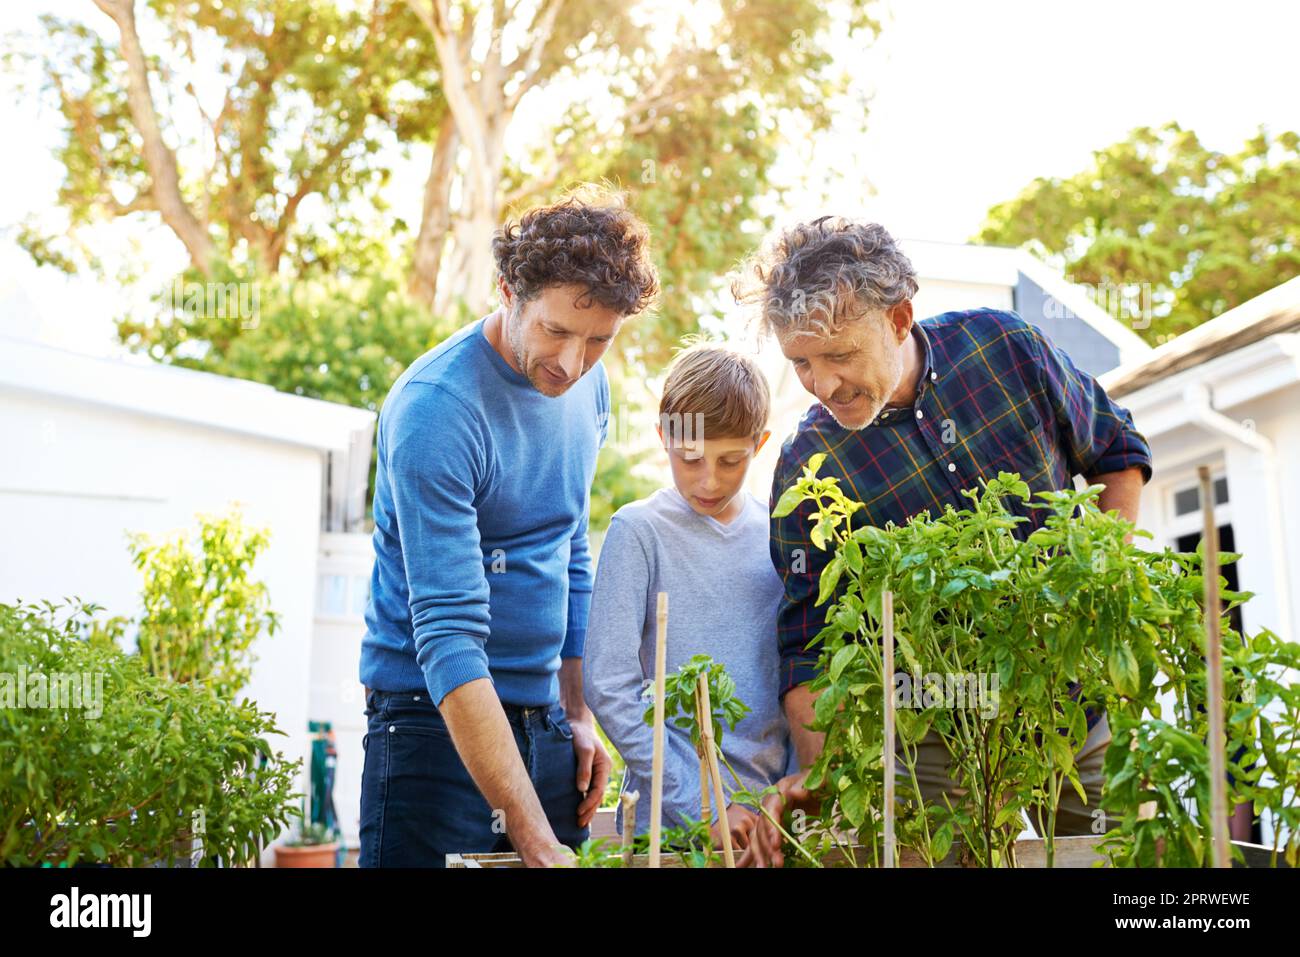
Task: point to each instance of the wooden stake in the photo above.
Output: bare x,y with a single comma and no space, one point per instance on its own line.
1214,675
657,769
706,812
629,824
711,754
887,613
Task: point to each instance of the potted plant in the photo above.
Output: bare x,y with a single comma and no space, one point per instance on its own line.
314,846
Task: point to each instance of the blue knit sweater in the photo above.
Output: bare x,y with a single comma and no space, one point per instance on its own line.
481,503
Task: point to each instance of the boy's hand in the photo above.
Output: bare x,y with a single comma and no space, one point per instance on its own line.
594,766
741,822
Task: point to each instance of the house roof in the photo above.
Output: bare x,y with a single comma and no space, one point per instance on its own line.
1002,265
1270,313
141,385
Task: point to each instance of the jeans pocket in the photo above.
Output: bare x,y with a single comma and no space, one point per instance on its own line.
560,722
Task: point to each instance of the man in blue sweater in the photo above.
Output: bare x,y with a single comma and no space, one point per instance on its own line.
478,736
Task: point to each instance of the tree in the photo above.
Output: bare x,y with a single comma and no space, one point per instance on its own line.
754,59
227,122
223,120
262,134
340,340
1199,230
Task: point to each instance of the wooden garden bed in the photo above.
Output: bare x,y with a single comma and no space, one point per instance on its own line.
1070,852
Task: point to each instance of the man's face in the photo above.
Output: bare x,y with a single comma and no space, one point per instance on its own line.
554,342
854,371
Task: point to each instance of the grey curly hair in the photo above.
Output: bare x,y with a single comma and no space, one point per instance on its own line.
812,277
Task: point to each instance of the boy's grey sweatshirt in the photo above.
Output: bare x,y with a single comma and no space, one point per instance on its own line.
722,600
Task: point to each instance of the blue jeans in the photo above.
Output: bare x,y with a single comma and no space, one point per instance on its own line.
418,801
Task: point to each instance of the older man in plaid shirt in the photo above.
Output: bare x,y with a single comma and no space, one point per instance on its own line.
910,414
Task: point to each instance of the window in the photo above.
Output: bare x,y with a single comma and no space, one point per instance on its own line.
1188,499
342,596
332,595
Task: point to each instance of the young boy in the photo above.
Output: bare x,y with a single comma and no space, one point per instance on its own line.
704,541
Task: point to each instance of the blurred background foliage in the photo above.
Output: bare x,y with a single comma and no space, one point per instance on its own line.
265,136
1205,230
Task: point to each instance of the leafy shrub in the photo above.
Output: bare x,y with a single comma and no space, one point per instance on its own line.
1070,615
160,762
202,611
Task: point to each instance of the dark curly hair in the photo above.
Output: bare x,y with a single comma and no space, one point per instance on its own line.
589,238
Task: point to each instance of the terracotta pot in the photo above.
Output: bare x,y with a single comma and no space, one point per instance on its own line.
309,855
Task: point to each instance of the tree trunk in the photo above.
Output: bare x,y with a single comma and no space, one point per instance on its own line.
468,276
435,222
159,159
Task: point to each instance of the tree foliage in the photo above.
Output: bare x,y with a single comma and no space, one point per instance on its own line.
1204,230
262,132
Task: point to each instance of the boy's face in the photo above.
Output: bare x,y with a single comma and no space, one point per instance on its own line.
710,473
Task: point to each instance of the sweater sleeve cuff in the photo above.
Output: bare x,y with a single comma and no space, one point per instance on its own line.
575,634
460,666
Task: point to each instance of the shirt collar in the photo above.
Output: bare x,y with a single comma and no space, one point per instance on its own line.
927,377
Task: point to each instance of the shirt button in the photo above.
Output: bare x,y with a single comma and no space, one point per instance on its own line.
934,376
952,467
392,728
920,414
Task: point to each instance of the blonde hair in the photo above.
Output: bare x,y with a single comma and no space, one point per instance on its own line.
722,390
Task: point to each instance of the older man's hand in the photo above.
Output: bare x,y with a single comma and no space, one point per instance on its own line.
790,795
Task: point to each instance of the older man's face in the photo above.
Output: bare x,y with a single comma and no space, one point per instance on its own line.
855,371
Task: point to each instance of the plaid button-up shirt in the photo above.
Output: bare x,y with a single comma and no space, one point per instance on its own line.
994,395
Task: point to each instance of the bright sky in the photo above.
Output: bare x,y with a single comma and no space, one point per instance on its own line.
971,101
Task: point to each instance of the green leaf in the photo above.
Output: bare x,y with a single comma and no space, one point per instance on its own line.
1123,669
909,653
1006,813
955,586
941,843
842,659
830,577
788,501
1268,744
853,802
923,578
1058,749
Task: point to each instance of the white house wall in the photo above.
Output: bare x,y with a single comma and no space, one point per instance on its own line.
1257,529
337,696
76,477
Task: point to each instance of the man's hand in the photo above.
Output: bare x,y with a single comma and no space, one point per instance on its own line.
555,855
740,821
594,766
791,795
486,745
